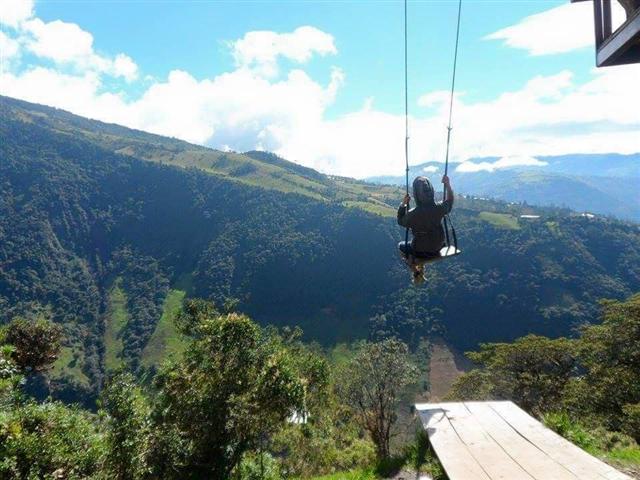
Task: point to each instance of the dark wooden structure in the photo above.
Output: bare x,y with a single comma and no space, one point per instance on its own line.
620,46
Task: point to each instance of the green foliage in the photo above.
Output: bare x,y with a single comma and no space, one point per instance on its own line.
48,440
36,343
631,422
629,455
330,441
360,474
258,466
594,439
234,385
563,424
166,340
126,415
115,323
10,377
473,385
586,389
146,288
500,220
610,354
83,203
532,371
372,384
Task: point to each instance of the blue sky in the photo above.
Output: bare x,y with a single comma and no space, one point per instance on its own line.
329,94
166,35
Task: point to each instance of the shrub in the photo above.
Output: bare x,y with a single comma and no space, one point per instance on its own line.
564,425
631,423
48,440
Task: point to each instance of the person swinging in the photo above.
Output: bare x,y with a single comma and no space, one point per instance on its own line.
425,223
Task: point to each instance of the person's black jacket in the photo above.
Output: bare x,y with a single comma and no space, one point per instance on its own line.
425,220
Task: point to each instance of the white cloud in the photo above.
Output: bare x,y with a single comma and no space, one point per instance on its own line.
59,41
246,109
504,162
124,66
14,12
9,48
76,93
261,49
430,169
66,44
558,30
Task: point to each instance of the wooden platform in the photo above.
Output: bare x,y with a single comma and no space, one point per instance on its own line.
498,440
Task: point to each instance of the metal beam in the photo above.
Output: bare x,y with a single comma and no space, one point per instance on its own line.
606,18
623,46
597,18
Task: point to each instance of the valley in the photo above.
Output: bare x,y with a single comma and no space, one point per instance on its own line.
106,229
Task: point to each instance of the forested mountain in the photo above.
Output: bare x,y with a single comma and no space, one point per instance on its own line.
106,229
607,184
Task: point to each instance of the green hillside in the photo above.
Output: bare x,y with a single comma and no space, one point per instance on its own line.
101,225
500,220
260,169
115,323
165,340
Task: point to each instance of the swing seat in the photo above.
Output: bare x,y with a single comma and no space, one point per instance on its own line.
445,252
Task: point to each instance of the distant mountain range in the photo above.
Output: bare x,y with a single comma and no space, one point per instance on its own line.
607,184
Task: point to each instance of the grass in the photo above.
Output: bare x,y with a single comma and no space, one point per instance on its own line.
613,447
500,220
70,360
364,474
562,424
628,455
372,207
116,321
166,340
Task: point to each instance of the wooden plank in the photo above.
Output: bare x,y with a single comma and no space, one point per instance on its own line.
576,460
493,459
451,451
537,463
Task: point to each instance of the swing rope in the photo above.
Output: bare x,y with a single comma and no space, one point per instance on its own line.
446,219
406,118
453,89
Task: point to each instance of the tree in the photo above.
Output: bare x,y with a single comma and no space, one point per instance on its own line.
10,377
532,371
234,386
48,440
610,354
473,385
372,383
36,343
631,424
126,413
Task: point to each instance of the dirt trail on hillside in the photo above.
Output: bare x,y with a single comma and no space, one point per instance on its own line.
445,366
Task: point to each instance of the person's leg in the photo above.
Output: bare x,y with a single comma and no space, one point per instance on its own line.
406,250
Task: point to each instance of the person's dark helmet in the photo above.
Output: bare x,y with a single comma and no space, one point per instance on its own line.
423,191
